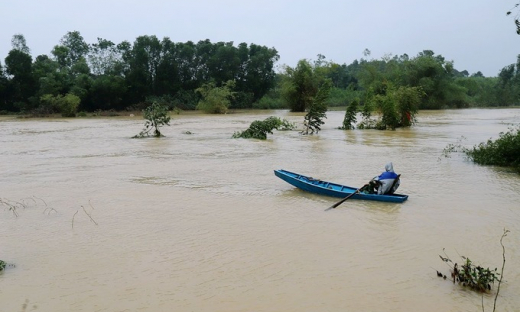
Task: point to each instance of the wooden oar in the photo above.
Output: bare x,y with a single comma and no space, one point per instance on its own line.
344,199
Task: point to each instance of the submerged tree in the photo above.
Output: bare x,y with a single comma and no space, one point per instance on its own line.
317,111
350,116
259,129
156,116
299,86
396,107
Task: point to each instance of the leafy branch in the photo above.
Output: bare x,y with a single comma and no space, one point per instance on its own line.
516,18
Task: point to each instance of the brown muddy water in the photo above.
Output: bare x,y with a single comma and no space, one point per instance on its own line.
199,222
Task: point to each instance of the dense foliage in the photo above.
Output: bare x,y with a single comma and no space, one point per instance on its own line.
216,100
67,105
299,86
504,151
109,76
105,75
440,84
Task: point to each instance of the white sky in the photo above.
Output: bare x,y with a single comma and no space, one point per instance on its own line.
475,35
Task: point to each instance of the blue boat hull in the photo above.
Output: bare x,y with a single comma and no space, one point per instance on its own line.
332,189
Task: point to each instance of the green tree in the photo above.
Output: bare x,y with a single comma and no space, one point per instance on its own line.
216,100
107,92
350,116
156,116
71,49
396,107
50,80
143,60
19,43
299,86
508,84
104,58
4,92
18,66
317,110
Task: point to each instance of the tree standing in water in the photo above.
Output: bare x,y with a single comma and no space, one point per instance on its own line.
156,116
317,110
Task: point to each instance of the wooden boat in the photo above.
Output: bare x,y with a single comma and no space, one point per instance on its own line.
320,187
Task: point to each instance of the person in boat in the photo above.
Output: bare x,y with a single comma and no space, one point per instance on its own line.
386,183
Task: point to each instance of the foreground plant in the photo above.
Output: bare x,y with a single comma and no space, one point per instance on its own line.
474,276
156,116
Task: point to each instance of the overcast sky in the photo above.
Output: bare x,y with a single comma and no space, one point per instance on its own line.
476,35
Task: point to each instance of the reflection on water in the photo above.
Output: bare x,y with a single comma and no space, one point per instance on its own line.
199,222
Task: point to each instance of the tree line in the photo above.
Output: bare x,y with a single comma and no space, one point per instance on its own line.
78,76
443,85
105,75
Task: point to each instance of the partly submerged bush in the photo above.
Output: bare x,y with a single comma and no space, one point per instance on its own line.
504,151
259,129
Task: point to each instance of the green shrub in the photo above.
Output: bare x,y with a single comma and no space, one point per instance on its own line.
67,105
216,100
270,102
504,151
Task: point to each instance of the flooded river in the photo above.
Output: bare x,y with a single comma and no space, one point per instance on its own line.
197,221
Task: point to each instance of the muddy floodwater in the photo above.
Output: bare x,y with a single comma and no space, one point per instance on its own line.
197,221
